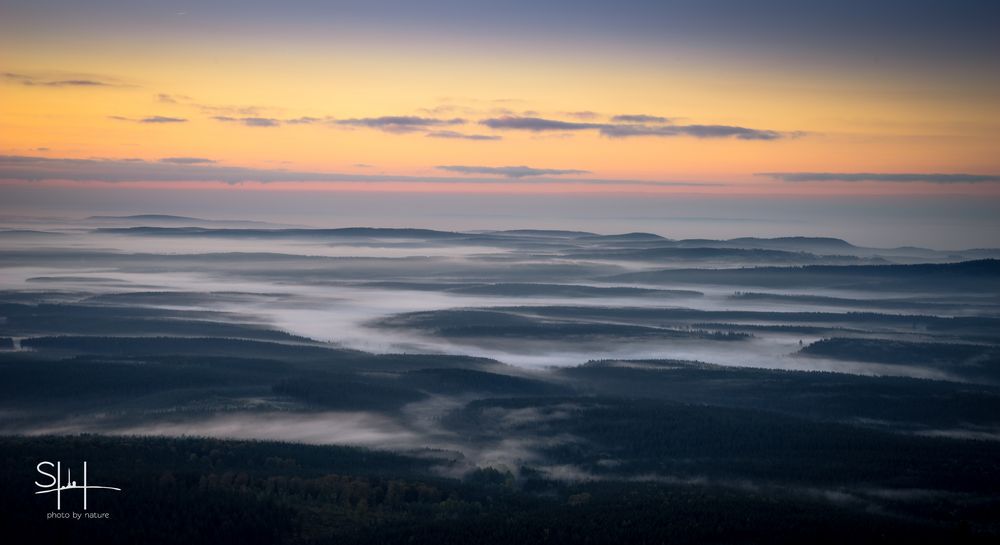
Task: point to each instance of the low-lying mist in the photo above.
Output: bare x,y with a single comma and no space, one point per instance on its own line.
339,286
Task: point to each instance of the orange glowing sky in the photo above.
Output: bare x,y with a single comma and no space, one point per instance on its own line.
78,84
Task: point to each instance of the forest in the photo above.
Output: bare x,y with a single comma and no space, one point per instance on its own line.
498,387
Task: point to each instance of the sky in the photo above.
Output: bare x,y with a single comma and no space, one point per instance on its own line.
828,105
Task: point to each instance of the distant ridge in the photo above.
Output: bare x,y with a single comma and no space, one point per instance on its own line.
181,220
633,245
987,267
282,233
632,237
979,274
805,241
749,256
543,233
813,244
144,217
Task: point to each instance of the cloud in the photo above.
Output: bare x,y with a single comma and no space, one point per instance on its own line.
898,177
511,171
228,112
187,160
225,111
259,122
639,118
462,136
249,121
162,119
697,131
632,129
28,80
30,168
253,121
399,123
537,124
167,98
304,120
250,116
155,119
76,83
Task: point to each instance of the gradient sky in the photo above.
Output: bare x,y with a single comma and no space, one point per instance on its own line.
766,98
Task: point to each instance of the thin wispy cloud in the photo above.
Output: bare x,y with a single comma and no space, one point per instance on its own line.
696,131
896,177
162,119
216,111
153,119
635,128
510,171
32,169
399,123
639,118
537,124
248,121
304,120
620,126
228,111
167,98
40,81
187,160
254,121
462,136
74,83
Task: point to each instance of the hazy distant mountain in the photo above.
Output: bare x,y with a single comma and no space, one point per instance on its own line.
983,274
346,232
715,254
167,219
147,217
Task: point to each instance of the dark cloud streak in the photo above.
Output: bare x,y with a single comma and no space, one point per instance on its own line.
187,160
537,124
632,129
895,177
462,136
32,81
510,171
696,131
639,118
248,121
304,120
27,168
151,120
398,123
162,119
